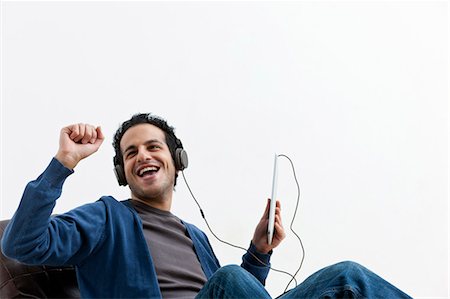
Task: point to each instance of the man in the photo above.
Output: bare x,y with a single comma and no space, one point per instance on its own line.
136,248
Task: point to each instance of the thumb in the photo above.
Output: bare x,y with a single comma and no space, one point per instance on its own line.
266,211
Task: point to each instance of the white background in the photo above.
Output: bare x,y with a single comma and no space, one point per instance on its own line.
356,93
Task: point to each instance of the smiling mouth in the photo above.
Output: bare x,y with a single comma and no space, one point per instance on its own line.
147,171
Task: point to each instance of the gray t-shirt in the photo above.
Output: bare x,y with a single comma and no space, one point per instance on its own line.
180,274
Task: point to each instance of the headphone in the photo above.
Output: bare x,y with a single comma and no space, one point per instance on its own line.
180,159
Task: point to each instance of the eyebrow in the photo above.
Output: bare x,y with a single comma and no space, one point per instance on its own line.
148,142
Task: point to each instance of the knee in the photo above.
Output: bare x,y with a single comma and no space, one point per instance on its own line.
233,281
348,266
230,272
349,272
231,275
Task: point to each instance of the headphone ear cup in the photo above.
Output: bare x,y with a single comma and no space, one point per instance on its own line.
120,175
181,159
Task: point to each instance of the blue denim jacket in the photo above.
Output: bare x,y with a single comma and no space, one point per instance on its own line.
103,240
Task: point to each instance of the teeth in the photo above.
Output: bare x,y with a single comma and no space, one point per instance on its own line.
149,168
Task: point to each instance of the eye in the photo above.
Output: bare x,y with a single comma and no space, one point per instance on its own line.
130,154
154,147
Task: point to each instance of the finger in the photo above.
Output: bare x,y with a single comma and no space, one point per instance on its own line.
278,219
100,136
279,232
94,135
266,210
278,204
279,226
278,214
88,134
81,130
73,131
99,133
277,211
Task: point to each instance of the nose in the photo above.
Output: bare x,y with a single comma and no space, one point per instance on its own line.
143,155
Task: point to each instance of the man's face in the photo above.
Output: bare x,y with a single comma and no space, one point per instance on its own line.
148,164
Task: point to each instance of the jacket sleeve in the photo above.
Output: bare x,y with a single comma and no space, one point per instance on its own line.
256,263
33,236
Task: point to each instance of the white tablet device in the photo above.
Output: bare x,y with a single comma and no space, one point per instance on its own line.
273,200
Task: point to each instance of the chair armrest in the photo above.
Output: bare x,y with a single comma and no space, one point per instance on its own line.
23,281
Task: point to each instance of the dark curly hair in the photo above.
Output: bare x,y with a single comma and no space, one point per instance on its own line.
147,118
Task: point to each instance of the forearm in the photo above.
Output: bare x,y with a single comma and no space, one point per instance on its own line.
257,263
33,237
25,235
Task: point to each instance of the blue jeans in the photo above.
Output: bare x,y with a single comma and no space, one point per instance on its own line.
342,280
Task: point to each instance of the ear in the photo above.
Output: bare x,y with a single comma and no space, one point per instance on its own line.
181,159
120,175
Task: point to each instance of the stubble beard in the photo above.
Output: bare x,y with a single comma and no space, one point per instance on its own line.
154,193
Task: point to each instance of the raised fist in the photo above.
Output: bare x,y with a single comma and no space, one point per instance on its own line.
77,142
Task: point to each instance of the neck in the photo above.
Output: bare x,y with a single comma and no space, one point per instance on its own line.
163,204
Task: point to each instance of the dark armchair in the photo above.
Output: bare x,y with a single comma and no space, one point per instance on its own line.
23,281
